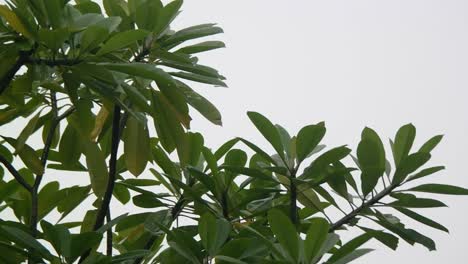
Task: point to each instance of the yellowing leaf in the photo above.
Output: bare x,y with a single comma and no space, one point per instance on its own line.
99,123
14,21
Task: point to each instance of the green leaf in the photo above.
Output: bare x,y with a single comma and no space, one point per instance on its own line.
49,197
268,130
27,131
227,259
28,156
251,172
353,255
131,255
54,12
243,248
413,202
136,97
387,239
213,232
82,242
122,40
201,104
308,139
431,144
143,70
191,152
221,151
21,237
147,201
316,236
146,13
199,78
189,33
121,193
440,189
330,242
97,168
371,157
317,170
69,150
349,248
285,232
202,47
426,172
92,37
14,21
75,196
403,142
259,151
136,146
409,235
58,236
165,17
421,219
409,165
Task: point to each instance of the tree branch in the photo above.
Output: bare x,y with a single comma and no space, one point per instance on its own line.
10,74
104,208
109,235
53,63
15,174
346,219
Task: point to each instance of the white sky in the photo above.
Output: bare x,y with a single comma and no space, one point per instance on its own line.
352,64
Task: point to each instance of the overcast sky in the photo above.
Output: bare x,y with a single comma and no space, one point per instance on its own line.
351,64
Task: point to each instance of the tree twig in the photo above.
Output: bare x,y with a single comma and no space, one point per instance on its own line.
15,174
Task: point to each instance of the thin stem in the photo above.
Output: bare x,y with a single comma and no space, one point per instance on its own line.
15,174
104,208
44,156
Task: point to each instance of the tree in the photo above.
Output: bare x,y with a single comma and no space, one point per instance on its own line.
91,82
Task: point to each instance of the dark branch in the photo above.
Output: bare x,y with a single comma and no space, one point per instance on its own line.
104,208
53,63
347,219
15,174
10,74
109,235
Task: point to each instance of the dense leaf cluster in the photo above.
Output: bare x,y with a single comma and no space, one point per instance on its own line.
109,89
